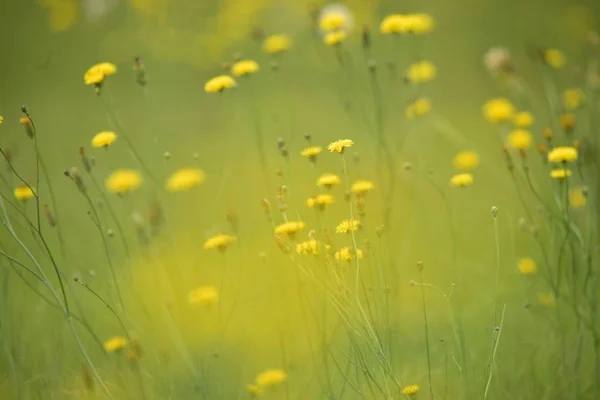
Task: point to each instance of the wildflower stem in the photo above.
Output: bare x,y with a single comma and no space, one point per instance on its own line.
426,336
497,332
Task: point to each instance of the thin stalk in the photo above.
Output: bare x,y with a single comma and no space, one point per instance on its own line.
426,336
497,332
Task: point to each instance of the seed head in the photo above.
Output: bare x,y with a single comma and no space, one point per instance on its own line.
494,211
420,266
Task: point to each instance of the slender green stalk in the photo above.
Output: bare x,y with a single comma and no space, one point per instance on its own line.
497,332
426,334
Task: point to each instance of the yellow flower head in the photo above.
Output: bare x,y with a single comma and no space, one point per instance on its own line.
335,38
220,242
421,72
526,266
420,23
289,228
347,226
311,152
115,343
23,192
419,108
554,58
104,139
395,23
340,145
328,180
362,186
577,197
123,180
547,299
254,390
572,98
320,200
462,180
410,390
244,67
185,179
276,44
519,139
347,254
466,160
523,119
271,377
562,154
567,121
308,247
219,83
560,173
498,110
333,21
98,72
1,119
205,295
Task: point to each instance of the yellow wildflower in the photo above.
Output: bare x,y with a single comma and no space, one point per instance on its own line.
567,121
328,180
23,192
205,295
420,23
320,200
498,110
340,145
519,139
347,254
526,266
395,23
271,377
115,343
104,139
244,67
335,38
311,152
572,98
347,226
254,390
362,186
1,119
219,241
185,179
577,197
523,119
289,228
96,74
419,108
562,154
554,58
123,180
462,180
219,83
421,72
547,299
410,390
276,44
466,160
308,247
333,21
560,173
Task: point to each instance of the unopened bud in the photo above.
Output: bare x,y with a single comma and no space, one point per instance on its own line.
494,211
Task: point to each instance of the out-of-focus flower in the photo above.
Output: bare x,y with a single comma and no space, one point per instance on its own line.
577,197
340,145
335,17
220,242
411,390
219,83
244,67
498,60
115,343
185,179
23,192
276,44
421,72
205,296
334,38
526,266
271,377
462,180
123,180
560,173
104,139
498,110
321,201
523,119
420,107
519,139
562,154
362,186
466,160
572,98
328,180
554,58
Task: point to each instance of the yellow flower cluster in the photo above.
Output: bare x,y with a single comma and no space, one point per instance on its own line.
411,23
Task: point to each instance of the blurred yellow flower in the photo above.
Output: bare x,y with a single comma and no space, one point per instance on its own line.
334,38
347,226
205,296
328,180
311,152
410,390
98,72
320,200
572,98
462,180
523,119
289,228
577,197
308,247
519,139
498,110
185,179
340,145
23,192
254,390
421,72
567,121
276,44
1,119
466,160
562,154
394,23
115,343
220,242
219,83
346,254
554,58
419,108
526,266
420,23
244,67
333,21
547,299
560,173
271,377
104,139
362,186
123,180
